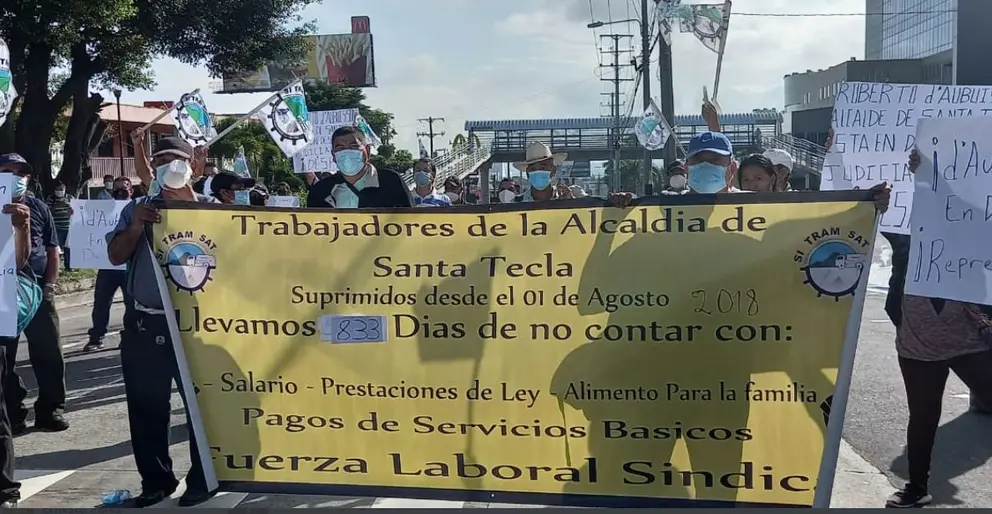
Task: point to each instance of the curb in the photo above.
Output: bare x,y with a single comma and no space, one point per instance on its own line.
858,484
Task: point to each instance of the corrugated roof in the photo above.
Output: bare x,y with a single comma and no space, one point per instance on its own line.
760,116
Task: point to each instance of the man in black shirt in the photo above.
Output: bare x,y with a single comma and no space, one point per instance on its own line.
357,184
43,330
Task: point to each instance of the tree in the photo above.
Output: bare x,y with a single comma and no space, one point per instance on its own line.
113,42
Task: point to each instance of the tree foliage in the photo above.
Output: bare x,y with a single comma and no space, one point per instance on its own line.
632,177
112,44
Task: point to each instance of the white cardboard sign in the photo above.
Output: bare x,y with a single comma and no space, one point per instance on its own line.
875,130
951,252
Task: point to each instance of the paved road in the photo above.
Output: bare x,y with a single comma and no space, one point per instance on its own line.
75,468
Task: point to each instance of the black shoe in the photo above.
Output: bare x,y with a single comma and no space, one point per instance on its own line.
18,427
53,423
93,346
149,498
909,497
9,504
193,497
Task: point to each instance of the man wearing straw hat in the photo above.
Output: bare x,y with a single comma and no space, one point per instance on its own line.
541,167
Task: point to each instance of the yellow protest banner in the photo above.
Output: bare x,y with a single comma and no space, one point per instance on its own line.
679,354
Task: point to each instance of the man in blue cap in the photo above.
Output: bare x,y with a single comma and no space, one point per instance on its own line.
43,331
710,164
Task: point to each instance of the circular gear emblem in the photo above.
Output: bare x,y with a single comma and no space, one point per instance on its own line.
834,269
194,121
290,118
188,267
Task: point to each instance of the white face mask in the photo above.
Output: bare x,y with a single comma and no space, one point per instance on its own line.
453,196
59,193
506,196
677,181
174,175
108,185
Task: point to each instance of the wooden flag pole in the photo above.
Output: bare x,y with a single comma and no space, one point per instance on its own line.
723,46
160,116
241,120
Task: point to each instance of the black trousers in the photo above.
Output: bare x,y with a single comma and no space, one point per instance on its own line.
148,364
108,281
48,363
9,489
925,383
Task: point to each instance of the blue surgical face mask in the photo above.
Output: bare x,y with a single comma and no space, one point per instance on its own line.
706,177
242,197
20,186
350,162
422,178
539,180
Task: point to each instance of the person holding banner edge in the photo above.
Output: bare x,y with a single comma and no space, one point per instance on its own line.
148,360
20,217
42,333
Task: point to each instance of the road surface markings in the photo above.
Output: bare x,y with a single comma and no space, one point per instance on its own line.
35,481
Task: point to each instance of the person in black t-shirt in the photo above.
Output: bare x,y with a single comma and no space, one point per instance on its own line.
43,330
357,184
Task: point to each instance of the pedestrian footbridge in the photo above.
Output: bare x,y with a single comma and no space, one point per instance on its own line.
594,139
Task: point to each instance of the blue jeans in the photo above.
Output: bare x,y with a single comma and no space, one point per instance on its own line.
108,281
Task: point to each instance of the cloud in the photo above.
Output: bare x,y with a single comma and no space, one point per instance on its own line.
484,59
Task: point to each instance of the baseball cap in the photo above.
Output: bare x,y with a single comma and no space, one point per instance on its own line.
174,146
15,161
227,180
675,165
714,142
780,158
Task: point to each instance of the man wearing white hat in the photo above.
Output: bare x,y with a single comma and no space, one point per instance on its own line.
783,163
541,167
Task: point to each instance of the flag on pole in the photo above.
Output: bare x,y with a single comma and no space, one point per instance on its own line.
653,130
287,119
241,163
709,22
193,120
7,91
370,135
423,151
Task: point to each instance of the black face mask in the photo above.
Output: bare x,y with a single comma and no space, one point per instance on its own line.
121,194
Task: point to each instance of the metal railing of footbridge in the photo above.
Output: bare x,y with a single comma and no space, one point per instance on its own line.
461,161
806,153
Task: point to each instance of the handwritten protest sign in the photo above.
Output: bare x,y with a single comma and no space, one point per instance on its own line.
875,129
951,255
316,157
8,263
91,220
283,201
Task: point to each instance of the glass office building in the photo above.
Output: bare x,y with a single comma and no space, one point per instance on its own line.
909,29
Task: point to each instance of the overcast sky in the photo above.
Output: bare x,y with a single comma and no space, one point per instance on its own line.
511,59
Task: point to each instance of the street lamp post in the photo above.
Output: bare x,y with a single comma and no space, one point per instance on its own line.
120,129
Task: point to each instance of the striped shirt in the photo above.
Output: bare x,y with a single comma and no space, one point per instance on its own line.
938,330
60,211
432,199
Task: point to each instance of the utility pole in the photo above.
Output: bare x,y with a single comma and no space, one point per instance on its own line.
430,134
646,86
667,93
616,104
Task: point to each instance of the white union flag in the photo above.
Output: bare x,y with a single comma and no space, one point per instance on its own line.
287,119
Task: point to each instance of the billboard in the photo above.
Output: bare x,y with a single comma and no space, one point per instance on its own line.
334,58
